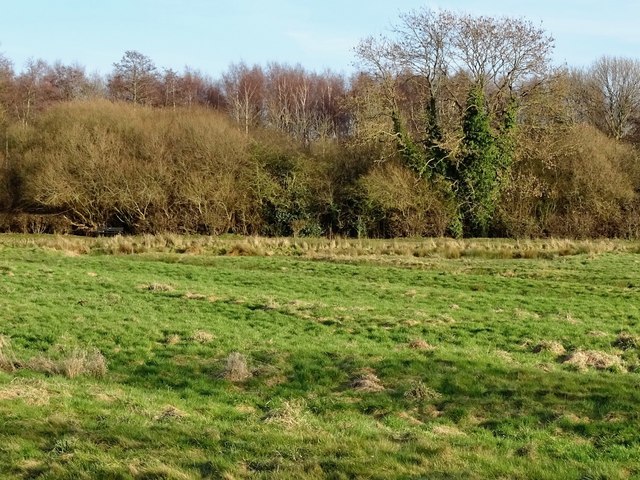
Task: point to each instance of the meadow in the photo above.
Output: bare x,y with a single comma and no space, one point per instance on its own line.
227,357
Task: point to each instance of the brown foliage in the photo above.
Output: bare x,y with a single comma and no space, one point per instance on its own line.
573,182
146,169
410,205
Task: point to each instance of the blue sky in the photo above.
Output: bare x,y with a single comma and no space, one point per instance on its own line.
209,34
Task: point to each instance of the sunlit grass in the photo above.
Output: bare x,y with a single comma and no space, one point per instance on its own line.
308,358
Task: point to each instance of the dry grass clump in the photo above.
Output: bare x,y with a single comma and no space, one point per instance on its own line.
250,247
291,414
236,369
447,430
412,249
8,362
172,339
170,413
158,287
202,337
420,344
71,246
626,341
78,362
583,359
194,296
421,392
29,391
367,381
550,346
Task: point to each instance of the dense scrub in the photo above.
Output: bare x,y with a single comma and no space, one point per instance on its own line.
82,165
441,144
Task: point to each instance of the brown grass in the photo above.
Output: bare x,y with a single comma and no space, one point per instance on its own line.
29,391
421,392
447,430
194,296
584,359
8,361
170,413
367,381
626,341
405,250
202,337
420,344
158,287
291,414
172,339
78,362
550,346
236,369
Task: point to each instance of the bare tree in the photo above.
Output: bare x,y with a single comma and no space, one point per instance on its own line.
134,78
612,92
500,53
68,82
244,90
30,93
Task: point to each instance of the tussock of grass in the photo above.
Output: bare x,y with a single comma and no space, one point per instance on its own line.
77,362
194,296
172,339
236,369
583,359
202,337
367,381
290,414
8,362
326,248
421,392
447,430
420,344
551,346
170,413
626,341
158,287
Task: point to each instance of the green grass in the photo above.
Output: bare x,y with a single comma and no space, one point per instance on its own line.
483,398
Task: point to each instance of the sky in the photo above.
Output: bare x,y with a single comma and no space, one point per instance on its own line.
209,35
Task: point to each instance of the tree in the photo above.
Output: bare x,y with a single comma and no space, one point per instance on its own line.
485,160
134,78
244,90
425,71
612,93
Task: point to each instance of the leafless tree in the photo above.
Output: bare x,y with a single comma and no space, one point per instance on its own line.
613,94
244,90
134,78
498,54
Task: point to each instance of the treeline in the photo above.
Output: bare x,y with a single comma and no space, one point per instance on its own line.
454,125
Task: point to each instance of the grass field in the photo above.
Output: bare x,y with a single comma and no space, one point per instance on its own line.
175,357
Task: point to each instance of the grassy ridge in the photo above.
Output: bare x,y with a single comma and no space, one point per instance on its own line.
363,364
